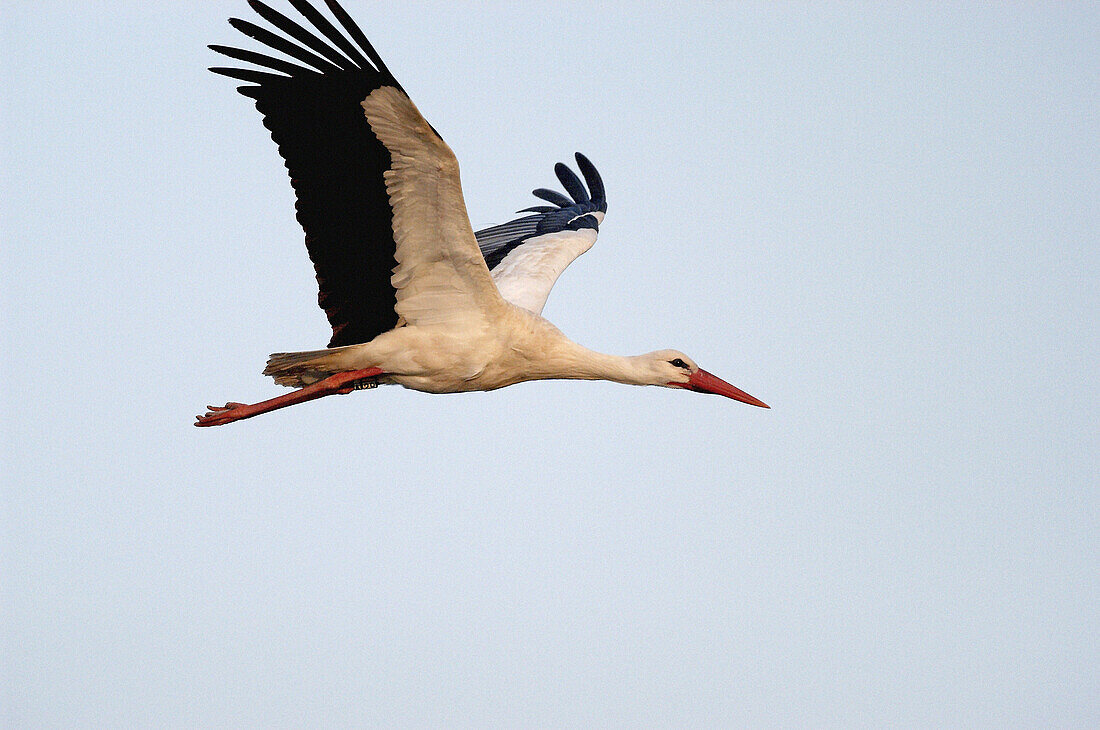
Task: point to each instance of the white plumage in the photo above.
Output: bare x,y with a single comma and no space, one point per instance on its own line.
526,274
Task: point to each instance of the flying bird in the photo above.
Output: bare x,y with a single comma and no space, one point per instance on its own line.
414,296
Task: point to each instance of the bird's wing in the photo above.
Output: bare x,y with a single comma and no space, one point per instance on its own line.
527,255
378,191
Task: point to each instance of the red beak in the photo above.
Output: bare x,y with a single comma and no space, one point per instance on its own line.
703,382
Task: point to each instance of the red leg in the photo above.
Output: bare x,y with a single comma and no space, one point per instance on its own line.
340,383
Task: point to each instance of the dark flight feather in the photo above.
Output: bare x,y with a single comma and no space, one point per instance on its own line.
336,163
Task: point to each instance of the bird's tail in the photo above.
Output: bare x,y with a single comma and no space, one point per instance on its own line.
299,369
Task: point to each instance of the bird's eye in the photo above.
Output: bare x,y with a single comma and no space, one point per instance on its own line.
678,363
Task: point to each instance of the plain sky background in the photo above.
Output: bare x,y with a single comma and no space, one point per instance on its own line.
880,219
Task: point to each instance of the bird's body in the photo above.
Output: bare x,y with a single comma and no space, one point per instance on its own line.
517,347
414,296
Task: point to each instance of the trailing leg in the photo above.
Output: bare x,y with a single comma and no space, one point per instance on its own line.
337,384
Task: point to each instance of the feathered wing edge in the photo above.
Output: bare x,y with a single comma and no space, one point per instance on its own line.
565,213
593,197
313,54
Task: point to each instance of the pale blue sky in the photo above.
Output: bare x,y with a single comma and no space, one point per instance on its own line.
880,219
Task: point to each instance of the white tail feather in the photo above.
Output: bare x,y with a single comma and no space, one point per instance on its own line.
299,369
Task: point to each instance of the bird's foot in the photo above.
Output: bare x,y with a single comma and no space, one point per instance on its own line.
218,415
338,384
227,407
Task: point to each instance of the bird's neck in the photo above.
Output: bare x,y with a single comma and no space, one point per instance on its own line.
571,361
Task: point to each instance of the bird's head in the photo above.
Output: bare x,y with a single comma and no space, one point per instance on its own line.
674,369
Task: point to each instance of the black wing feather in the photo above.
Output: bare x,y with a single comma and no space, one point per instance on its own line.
300,34
571,182
247,74
282,45
592,177
260,59
565,214
359,37
336,167
552,196
321,23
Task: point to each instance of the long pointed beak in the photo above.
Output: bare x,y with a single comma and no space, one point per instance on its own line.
703,382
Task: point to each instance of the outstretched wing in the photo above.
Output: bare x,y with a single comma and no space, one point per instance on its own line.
527,255
378,191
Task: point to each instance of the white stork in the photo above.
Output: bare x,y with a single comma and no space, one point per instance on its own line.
413,295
